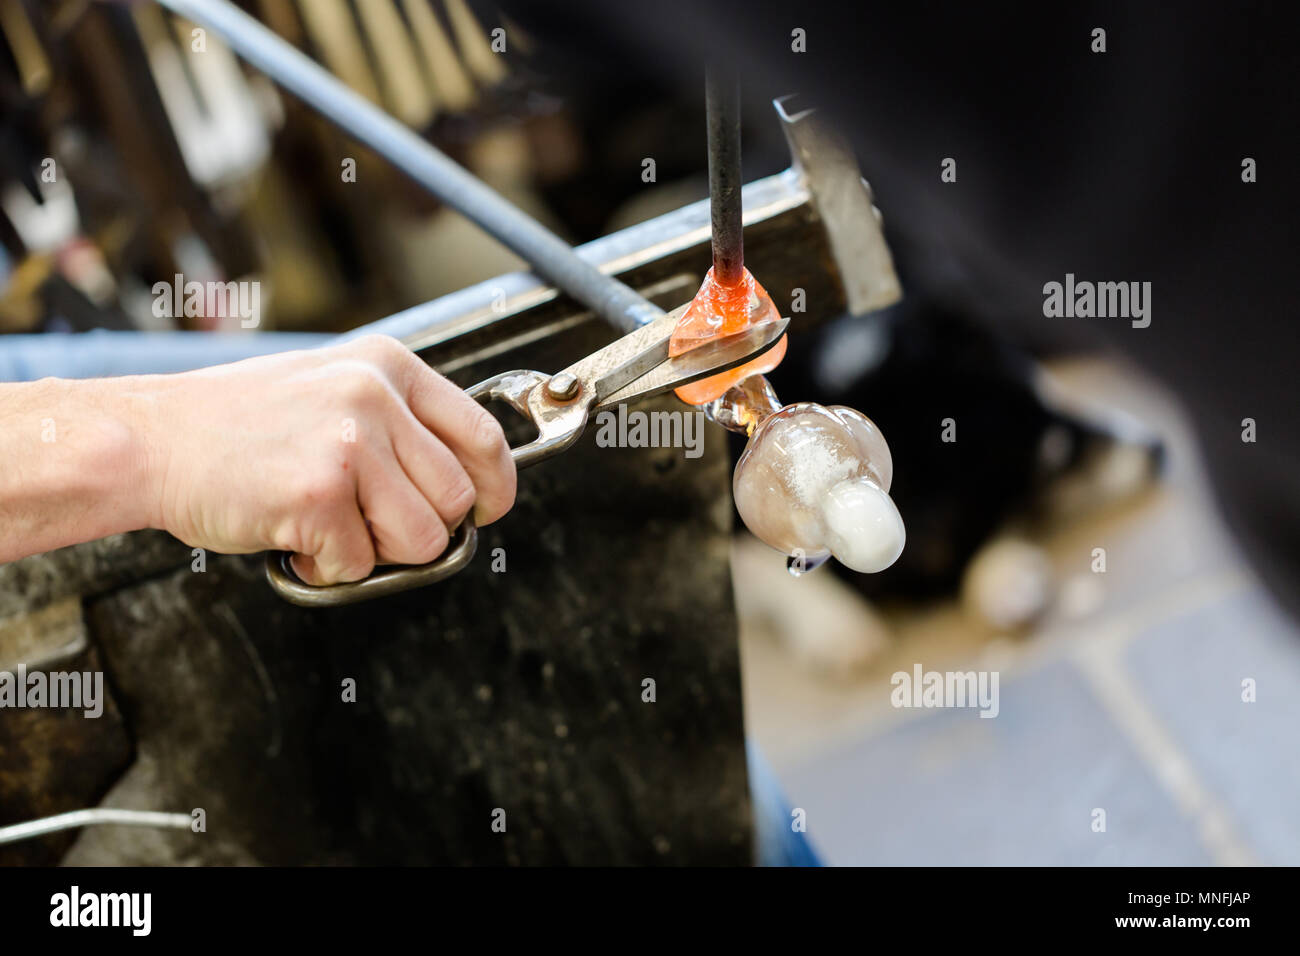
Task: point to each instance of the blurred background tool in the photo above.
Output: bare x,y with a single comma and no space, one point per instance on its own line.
431,169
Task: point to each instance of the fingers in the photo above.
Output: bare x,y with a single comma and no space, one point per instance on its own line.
482,448
412,510
388,521
343,550
471,433
422,455
431,467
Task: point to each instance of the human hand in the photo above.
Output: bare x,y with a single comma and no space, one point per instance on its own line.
348,456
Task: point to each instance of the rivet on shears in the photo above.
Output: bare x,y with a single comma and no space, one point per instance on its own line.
563,386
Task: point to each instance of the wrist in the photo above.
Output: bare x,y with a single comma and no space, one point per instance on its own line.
108,461
133,449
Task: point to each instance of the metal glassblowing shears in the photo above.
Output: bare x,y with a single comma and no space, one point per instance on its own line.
634,367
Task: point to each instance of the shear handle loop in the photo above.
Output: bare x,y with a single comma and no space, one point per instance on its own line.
384,581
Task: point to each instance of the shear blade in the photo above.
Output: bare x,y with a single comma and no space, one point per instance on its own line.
712,358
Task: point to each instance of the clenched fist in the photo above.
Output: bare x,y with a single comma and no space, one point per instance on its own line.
348,456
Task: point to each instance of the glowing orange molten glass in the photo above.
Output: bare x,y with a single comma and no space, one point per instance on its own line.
719,310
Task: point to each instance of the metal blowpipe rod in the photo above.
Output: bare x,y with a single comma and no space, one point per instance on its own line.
547,253
722,102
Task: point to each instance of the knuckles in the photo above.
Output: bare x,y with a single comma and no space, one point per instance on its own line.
428,542
383,348
324,488
364,387
458,497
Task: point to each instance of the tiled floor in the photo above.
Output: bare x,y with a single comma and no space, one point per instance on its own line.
1127,697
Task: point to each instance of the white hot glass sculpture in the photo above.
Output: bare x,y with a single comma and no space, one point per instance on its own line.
813,480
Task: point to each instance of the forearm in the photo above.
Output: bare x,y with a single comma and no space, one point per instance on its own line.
75,462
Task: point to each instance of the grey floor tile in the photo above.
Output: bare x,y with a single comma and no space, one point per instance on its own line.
952,788
1247,754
